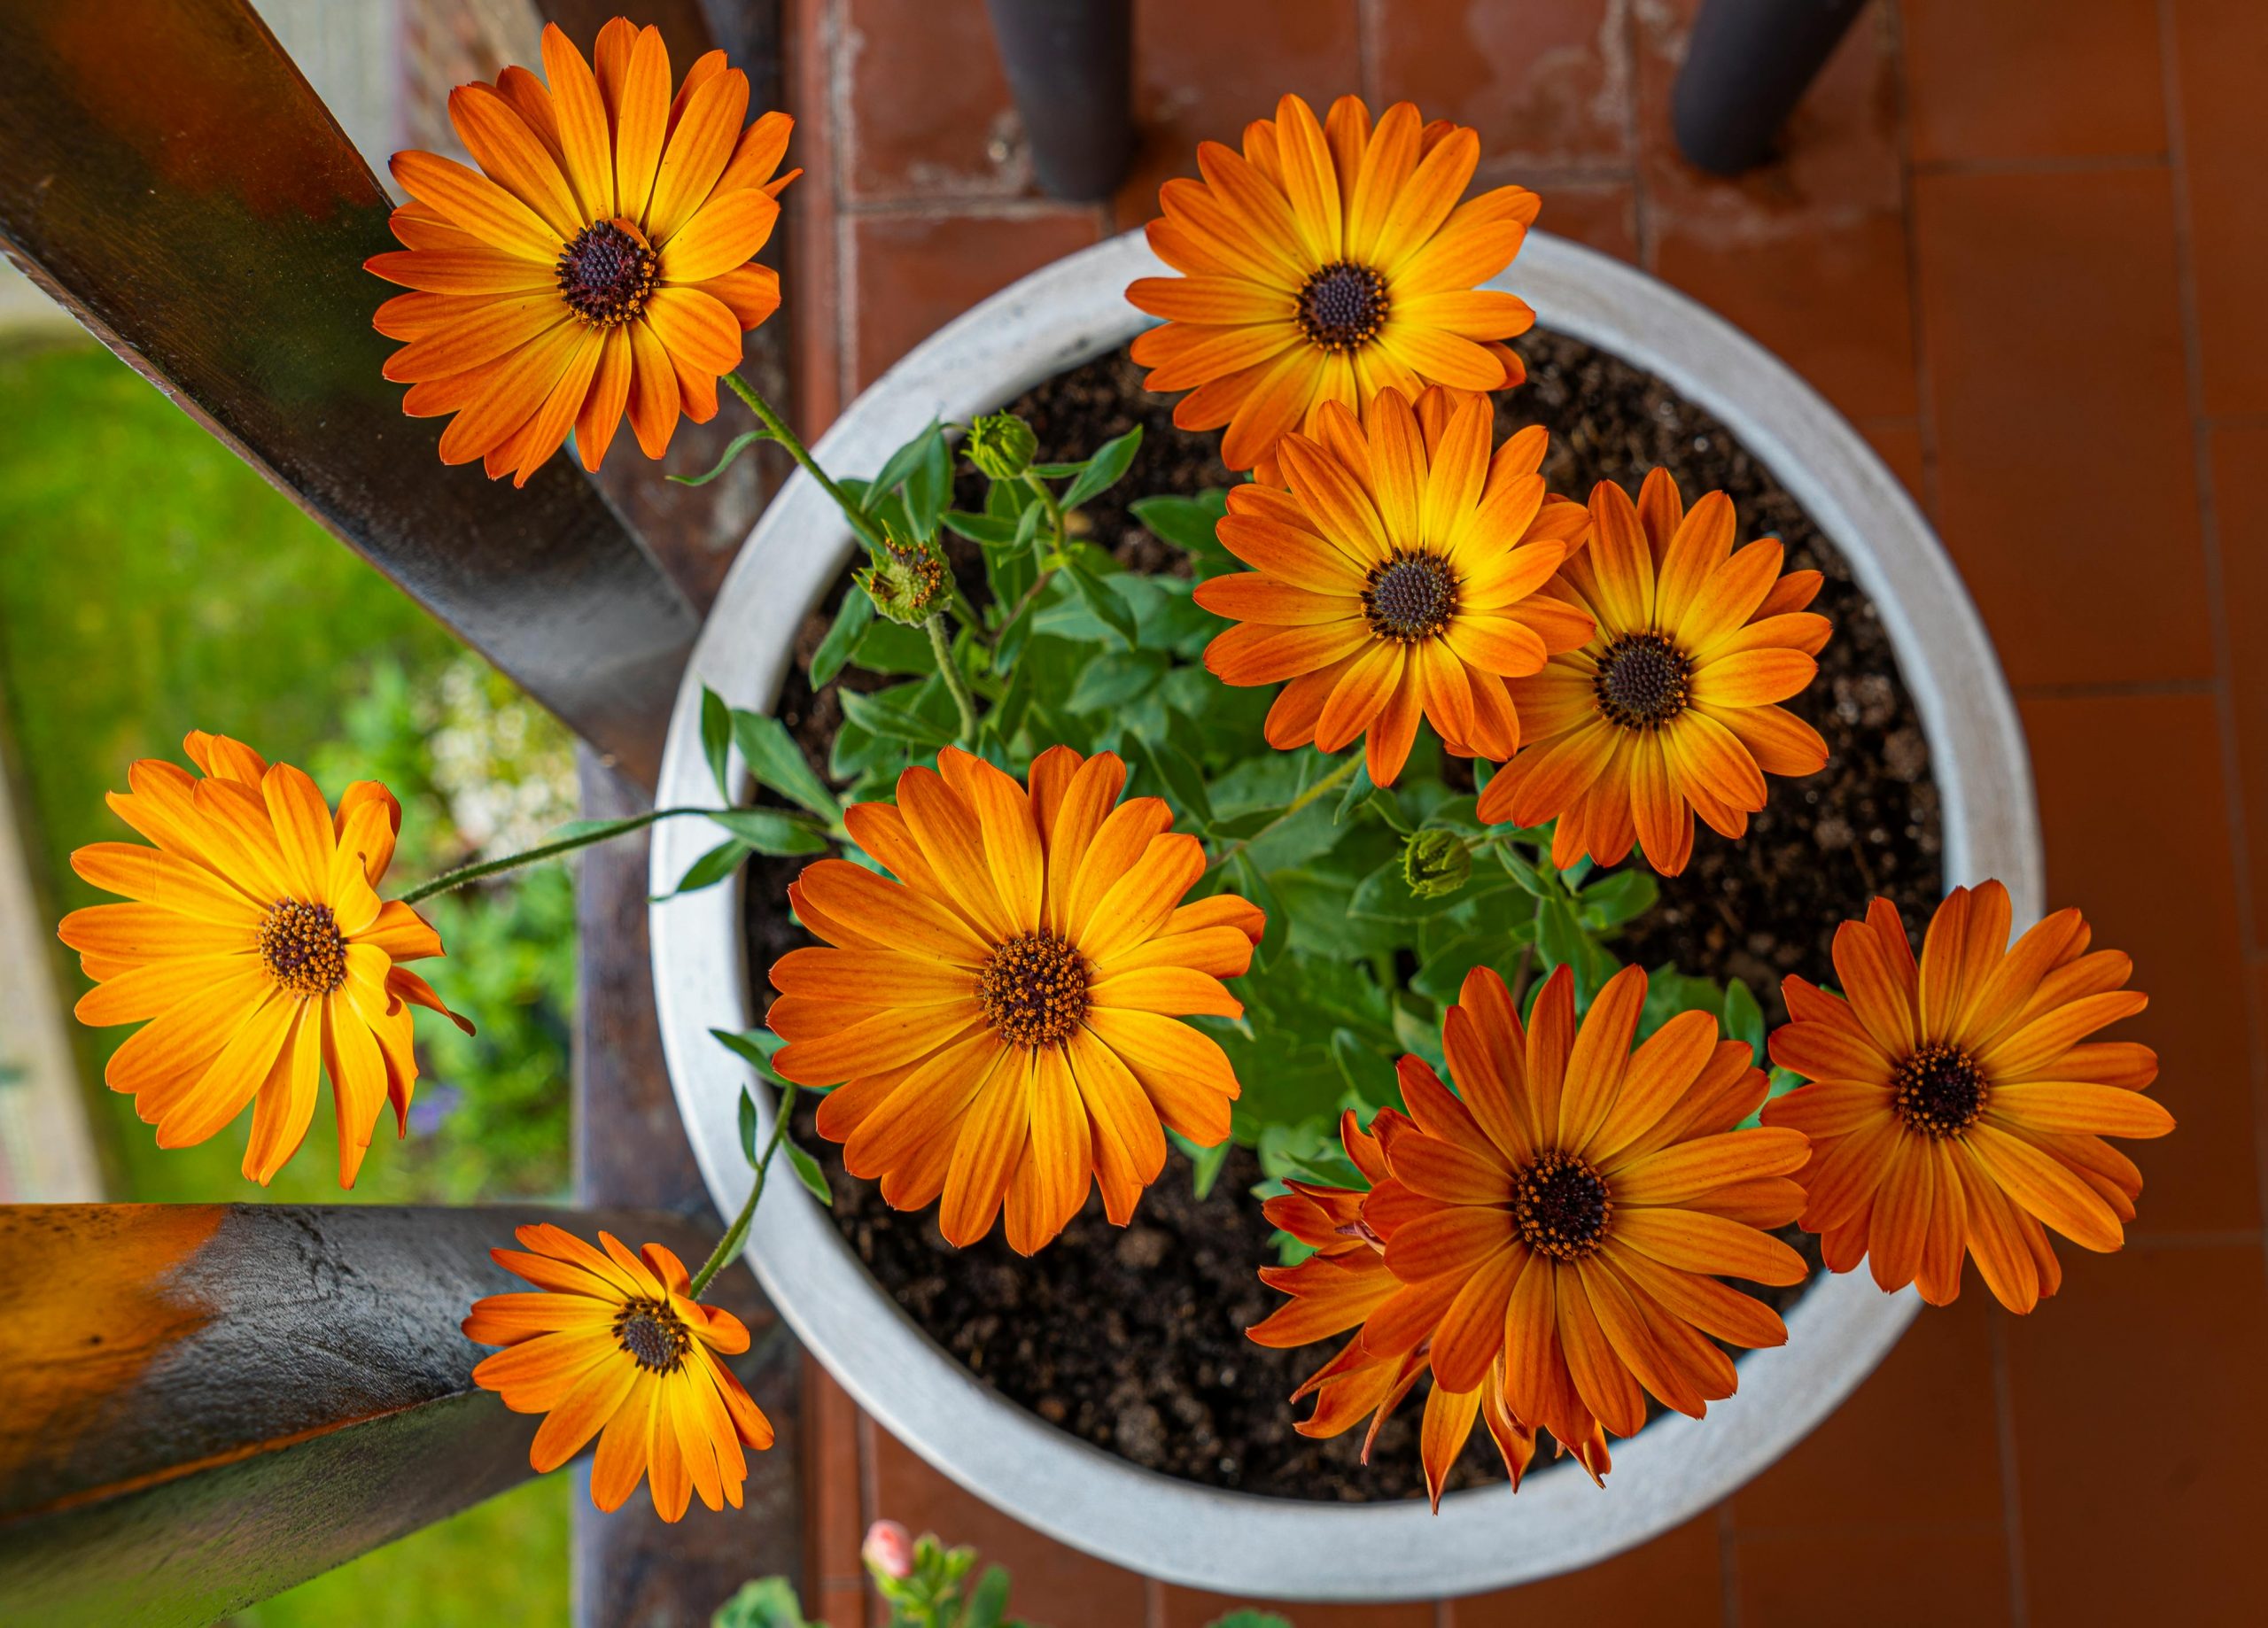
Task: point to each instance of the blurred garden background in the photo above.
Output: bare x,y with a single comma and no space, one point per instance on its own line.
152,582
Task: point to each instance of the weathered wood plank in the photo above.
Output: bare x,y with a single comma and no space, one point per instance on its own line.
209,1403
167,174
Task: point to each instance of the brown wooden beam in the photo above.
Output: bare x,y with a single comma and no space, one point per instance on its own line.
166,172
206,1404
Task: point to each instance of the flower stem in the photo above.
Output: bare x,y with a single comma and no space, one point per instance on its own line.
728,1247
941,642
777,428
596,831
1331,782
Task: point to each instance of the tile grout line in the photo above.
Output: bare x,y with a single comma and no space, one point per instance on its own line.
1367,29
2209,527
2102,164
1642,228
2011,1492
844,141
1727,1565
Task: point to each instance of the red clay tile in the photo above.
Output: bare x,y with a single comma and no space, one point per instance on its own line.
2218,46
1807,253
2065,472
1954,1575
1053,1584
916,273
2136,821
1203,71
1602,216
2140,1427
832,1508
1998,83
1915,1442
1673,1582
929,111
1186,1608
1545,83
811,290
1898,445
2243,509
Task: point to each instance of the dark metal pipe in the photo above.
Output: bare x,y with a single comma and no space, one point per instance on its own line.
1747,63
1070,63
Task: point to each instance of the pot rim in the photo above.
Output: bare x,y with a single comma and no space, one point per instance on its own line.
1243,1543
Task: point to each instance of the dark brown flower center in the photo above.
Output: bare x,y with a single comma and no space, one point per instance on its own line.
1562,1206
1940,1090
607,273
1342,307
1035,990
302,946
1644,681
1412,596
653,1335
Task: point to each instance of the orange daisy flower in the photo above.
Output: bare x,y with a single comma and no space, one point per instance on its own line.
1956,1103
616,1343
1552,1236
1397,578
1325,263
1002,1017
598,260
256,951
1667,711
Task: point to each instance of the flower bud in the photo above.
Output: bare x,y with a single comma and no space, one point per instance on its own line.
1001,446
908,583
1436,863
888,1550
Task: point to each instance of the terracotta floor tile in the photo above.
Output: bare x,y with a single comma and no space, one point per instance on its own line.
1954,1575
2141,1426
1546,82
917,273
812,286
1673,1582
2238,455
1898,444
2142,848
1603,215
2057,448
1807,253
2218,47
831,1505
1053,1584
1916,1442
1186,1608
930,113
1203,71
1991,82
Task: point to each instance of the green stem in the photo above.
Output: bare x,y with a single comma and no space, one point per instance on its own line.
1330,782
941,643
777,428
449,880
728,1247
1056,520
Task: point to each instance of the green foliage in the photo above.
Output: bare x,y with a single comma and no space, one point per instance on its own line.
768,1602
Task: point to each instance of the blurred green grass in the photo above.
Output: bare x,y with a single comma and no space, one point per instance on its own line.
151,583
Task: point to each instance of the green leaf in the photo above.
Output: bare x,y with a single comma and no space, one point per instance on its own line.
1531,880
748,1126
893,648
754,1047
1415,1034
1249,1619
891,720
1182,782
1361,786
988,1601
989,530
768,831
1613,900
711,868
899,464
1114,679
808,1172
1188,524
739,445
777,761
1102,471
1743,1018
1255,886
929,487
769,1602
1557,936
1106,606
849,621
717,738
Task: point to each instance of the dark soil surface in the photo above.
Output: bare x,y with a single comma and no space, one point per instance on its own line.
1133,1340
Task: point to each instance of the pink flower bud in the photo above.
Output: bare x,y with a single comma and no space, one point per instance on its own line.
889,1549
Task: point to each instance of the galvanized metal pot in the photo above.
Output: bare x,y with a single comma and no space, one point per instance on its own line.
1240,1543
